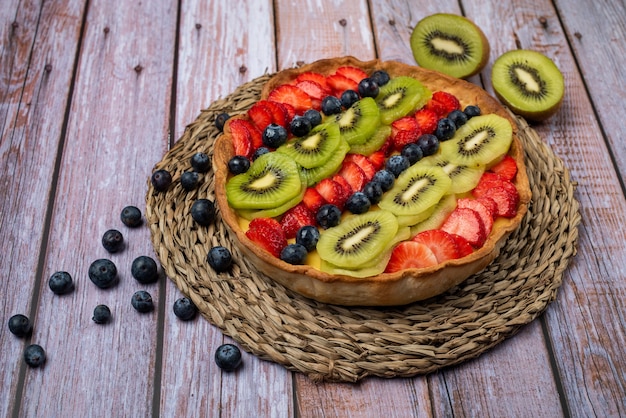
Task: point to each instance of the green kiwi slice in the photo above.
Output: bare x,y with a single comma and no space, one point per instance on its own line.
399,97
464,177
315,148
357,239
373,143
359,121
529,83
416,190
480,141
313,175
451,44
250,214
272,180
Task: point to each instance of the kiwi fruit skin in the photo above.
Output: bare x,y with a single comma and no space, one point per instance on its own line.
507,76
450,29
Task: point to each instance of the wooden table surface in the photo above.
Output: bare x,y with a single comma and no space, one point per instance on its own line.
94,93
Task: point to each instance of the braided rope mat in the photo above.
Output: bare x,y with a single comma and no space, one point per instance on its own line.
335,343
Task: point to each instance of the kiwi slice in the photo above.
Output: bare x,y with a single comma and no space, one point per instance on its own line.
442,209
250,214
451,44
359,121
313,175
416,190
315,148
357,239
272,180
529,83
480,141
399,97
373,143
464,177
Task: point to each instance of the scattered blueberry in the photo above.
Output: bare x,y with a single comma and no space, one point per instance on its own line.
220,120
203,212
358,202
328,216
368,88
142,301
34,355
228,357
200,162
308,236
184,309
373,191
385,179
396,164
381,77
300,126
131,216
331,105
113,241
314,116
428,143
348,98
189,180
20,325
445,129
294,254
161,180
413,152
219,258
61,282
471,111
274,135
259,151
144,269
458,118
103,273
101,314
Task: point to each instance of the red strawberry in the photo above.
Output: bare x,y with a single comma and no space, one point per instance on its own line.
313,89
404,131
440,242
291,95
340,83
260,114
426,120
443,103
489,180
410,254
279,112
507,168
347,187
353,73
377,159
354,175
462,245
489,203
295,218
290,111
506,200
364,163
241,137
486,214
313,76
466,223
313,199
256,135
268,234
332,192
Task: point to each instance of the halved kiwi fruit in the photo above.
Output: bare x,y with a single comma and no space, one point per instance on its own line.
399,97
315,148
529,83
451,44
359,121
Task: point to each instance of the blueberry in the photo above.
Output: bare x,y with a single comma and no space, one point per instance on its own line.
144,269
220,120
189,180
259,151
314,116
300,126
238,164
20,325
294,254
381,77
396,164
328,216
413,152
458,118
358,202
103,273
308,236
445,129
184,309
61,282
471,111
331,105
428,143
34,355
203,212
385,179
373,191
142,301
348,98
101,314
228,357
161,180
113,241
219,258
131,216
368,88
200,162
274,136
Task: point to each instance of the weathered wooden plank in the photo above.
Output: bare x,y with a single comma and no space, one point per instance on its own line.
117,129
36,63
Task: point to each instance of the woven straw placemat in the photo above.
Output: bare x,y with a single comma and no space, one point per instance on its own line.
335,343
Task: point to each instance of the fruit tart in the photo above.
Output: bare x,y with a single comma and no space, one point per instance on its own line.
370,183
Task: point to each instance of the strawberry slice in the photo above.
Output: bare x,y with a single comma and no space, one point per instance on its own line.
426,120
468,224
339,83
441,243
313,89
241,137
443,103
377,159
295,218
364,163
404,131
506,200
486,214
462,245
353,73
410,254
313,76
256,135
489,203
489,180
332,192
279,112
289,110
268,234
347,188
313,199
292,95
507,168
354,175
261,115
